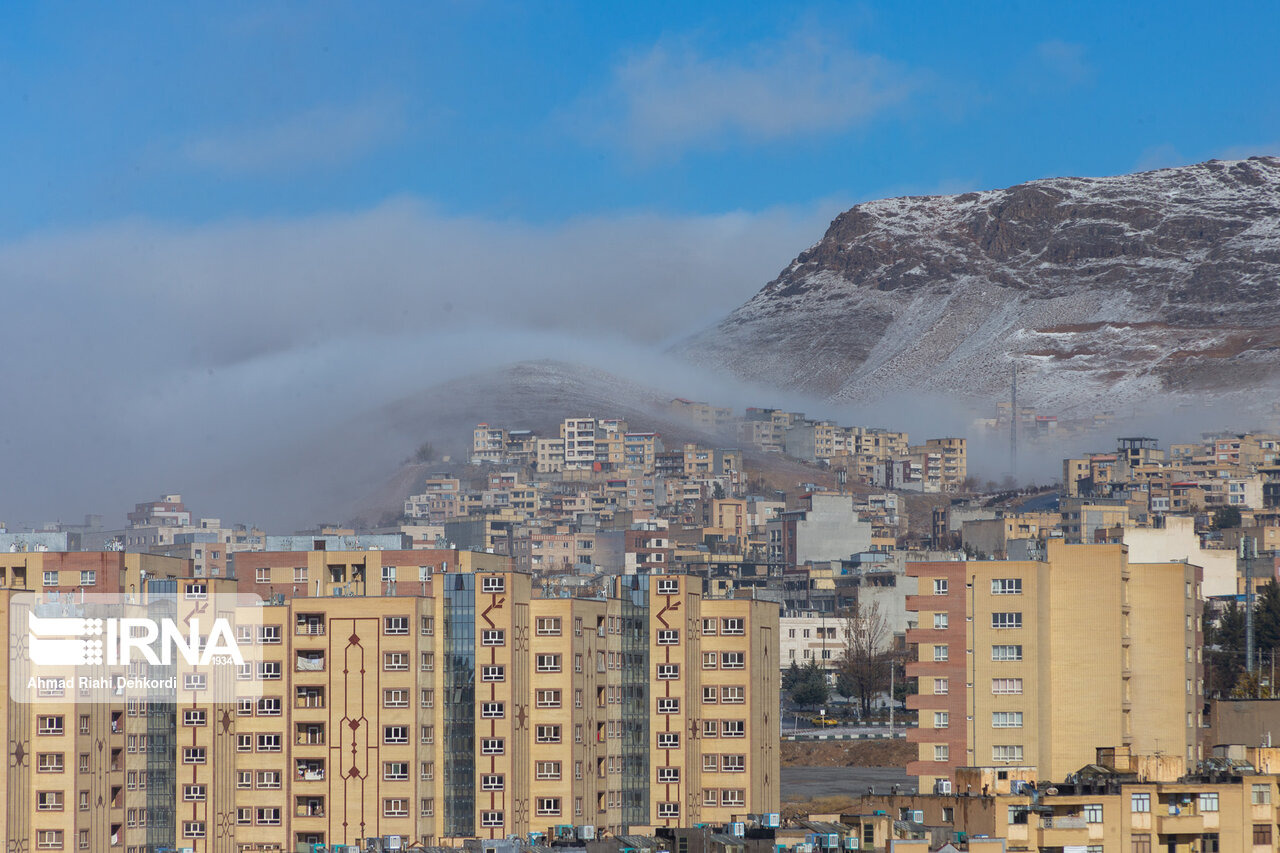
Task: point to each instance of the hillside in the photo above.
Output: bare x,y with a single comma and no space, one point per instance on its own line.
1107,292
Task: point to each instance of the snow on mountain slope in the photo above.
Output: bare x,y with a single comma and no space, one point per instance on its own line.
1106,292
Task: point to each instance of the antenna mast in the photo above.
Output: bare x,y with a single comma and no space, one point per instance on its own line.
1013,425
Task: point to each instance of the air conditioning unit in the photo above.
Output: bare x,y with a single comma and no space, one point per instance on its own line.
587,833
942,786
737,829
391,842
772,820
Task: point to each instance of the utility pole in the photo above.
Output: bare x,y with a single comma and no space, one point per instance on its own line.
893,664
1248,550
1013,425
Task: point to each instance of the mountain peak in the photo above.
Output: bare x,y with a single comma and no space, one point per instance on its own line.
1112,290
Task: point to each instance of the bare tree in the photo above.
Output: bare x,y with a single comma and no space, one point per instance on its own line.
864,666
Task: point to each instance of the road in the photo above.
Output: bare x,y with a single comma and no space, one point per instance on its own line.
812,782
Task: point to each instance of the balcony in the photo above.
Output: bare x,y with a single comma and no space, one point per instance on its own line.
1063,831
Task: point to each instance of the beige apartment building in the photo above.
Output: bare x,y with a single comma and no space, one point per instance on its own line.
1028,664
440,702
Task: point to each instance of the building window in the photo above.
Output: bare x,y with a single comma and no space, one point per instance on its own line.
491,819
668,740
732,627
1141,803
733,660
493,673
493,583
709,627
1261,795
395,625
1262,834
668,811
941,752
89,578
733,763
668,638
492,710
49,839
395,661
1093,813
193,755
1006,652
941,686
941,719
548,806
668,671
193,793
709,660
735,695
395,698
1006,686
668,706
49,725
1006,620
548,734
395,771
395,734
493,638
940,621
940,653
491,746
547,770
1006,586
1209,801
548,626
667,586
268,743
548,663
193,829
1006,753
547,698
939,586
733,728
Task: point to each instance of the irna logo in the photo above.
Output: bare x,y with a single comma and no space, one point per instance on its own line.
77,641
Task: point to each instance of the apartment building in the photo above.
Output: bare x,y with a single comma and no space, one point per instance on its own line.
453,705
579,436
1026,664
1119,801
488,444
942,463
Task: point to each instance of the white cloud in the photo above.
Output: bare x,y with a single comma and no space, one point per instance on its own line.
1161,156
673,96
1244,152
1065,61
157,356
325,135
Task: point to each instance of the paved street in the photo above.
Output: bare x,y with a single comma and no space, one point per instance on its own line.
805,782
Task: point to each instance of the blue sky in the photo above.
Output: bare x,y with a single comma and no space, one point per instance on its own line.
229,227
544,112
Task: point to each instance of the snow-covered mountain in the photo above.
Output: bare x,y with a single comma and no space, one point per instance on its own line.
1107,292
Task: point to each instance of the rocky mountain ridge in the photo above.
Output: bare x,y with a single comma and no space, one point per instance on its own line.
1107,292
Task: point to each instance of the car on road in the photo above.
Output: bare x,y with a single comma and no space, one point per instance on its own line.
824,722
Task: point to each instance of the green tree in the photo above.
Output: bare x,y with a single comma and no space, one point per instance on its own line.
791,676
1266,619
1226,517
1224,652
718,492
424,453
811,689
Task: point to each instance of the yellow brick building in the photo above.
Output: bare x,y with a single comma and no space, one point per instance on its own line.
455,704
1028,664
